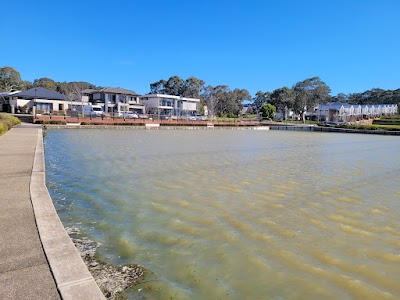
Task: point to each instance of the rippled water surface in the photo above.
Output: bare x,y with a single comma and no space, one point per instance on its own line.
236,214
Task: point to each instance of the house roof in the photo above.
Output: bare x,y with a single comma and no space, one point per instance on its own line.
88,91
112,91
9,93
41,93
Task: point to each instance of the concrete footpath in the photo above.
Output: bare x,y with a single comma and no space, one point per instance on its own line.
37,258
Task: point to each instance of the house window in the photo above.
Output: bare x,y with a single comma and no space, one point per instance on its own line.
111,98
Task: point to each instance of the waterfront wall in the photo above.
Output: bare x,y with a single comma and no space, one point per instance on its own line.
72,277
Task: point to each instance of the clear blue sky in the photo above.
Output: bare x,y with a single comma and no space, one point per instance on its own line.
352,45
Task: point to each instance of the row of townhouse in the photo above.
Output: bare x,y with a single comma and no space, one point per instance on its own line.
110,99
344,112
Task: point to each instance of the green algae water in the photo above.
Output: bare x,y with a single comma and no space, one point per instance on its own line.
236,214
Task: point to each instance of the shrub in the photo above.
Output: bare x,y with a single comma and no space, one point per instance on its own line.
7,122
9,119
3,128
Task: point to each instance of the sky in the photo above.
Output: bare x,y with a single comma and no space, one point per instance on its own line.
352,45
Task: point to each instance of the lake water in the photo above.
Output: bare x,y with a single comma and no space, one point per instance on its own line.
236,214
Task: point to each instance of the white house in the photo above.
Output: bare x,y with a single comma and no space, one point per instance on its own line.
44,100
169,105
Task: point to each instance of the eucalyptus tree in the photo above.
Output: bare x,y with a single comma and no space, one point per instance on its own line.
46,83
157,87
209,98
234,101
309,93
220,96
260,99
191,87
283,99
10,79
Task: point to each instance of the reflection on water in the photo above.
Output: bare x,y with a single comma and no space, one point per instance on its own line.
225,214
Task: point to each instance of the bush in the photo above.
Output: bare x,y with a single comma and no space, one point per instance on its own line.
7,122
3,128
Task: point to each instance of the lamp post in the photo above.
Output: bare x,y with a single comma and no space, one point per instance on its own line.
34,107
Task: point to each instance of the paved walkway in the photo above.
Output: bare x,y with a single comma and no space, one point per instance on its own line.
24,270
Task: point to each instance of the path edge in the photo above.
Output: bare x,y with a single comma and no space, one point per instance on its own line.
71,275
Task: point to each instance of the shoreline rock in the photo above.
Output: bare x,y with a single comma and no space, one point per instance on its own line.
112,280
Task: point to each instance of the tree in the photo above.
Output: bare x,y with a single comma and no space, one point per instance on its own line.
220,100
157,87
234,101
309,93
174,86
283,99
10,79
260,99
219,95
268,111
209,98
192,87
46,83
26,85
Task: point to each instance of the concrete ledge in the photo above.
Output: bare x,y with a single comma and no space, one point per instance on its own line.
72,277
152,125
261,128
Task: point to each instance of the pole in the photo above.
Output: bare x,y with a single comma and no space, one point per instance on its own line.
34,105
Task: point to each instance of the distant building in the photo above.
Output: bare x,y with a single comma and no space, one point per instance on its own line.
344,112
169,105
114,99
45,100
5,98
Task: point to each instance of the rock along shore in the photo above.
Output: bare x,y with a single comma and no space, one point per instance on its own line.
112,280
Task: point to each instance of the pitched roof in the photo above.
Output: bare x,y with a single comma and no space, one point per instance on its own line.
41,93
88,91
118,91
111,90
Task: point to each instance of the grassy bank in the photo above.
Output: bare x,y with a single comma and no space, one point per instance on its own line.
7,122
372,127
395,120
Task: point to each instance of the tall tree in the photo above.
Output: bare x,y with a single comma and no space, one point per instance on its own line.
235,100
209,99
220,93
309,93
158,87
174,86
46,83
260,99
192,87
283,99
10,79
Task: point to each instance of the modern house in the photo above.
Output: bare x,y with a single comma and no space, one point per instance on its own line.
169,105
114,99
44,100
